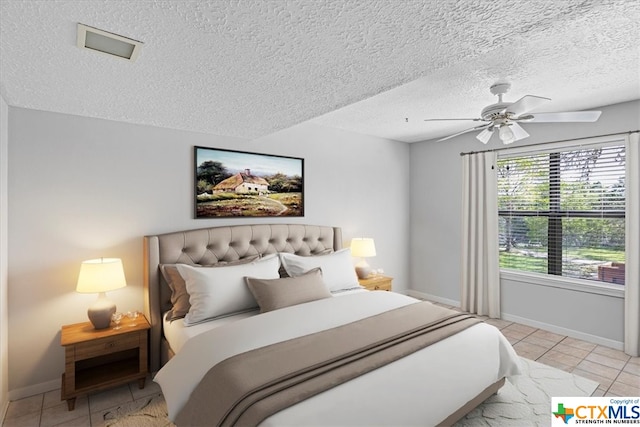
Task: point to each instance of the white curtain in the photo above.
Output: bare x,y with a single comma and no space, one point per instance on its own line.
480,275
632,263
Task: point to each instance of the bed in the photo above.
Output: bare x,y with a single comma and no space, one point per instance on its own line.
209,350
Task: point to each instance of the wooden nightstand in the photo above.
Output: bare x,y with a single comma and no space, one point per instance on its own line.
100,359
377,283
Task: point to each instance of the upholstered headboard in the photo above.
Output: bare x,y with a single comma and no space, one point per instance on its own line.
219,245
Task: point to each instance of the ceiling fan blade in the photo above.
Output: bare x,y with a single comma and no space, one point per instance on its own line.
518,132
524,104
434,120
465,131
567,116
485,135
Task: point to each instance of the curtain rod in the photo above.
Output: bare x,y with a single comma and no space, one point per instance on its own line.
550,142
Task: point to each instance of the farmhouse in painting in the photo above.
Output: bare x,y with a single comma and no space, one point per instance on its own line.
243,182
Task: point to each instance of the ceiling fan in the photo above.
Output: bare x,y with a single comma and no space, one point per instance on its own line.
505,116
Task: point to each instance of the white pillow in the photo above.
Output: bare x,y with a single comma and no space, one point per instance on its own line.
337,268
220,291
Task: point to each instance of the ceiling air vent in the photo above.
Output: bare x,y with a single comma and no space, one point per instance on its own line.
109,43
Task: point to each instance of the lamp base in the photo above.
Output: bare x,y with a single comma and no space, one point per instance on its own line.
100,312
363,270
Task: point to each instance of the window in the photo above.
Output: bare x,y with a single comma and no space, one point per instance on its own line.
562,212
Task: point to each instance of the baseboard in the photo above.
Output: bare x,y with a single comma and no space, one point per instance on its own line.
434,298
618,345
21,393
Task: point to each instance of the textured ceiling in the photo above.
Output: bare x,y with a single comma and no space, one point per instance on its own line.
250,68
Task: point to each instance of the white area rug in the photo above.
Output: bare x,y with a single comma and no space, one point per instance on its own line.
149,411
525,403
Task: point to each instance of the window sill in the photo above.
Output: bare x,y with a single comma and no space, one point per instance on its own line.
579,285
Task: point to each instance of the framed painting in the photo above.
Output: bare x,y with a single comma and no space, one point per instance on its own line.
232,183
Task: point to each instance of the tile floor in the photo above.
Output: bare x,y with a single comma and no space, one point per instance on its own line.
47,410
617,373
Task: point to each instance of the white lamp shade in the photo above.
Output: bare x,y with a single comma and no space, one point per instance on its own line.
363,247
101,275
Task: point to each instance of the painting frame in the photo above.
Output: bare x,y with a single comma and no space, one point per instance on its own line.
243,184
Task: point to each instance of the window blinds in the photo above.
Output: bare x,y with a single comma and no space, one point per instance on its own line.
562,211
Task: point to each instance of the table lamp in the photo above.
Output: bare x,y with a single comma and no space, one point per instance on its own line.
363,248
99,276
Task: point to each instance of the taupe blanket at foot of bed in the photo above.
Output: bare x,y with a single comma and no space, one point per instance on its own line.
247,388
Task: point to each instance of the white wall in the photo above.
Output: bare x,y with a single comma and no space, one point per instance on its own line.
4,315
436,188
82,188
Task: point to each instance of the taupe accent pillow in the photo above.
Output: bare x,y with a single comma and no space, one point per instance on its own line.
273,294
179,296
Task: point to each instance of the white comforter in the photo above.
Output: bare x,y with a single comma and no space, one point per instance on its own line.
420,389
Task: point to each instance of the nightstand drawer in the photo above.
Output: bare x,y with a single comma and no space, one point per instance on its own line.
381,287
103,346
377,283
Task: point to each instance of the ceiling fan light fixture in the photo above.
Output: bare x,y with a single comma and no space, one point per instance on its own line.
506,134
485,135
